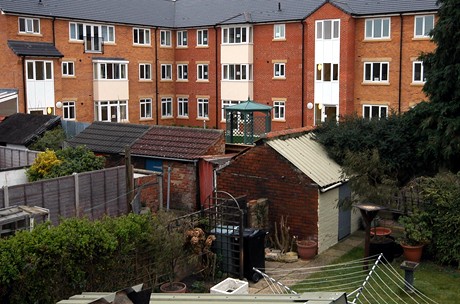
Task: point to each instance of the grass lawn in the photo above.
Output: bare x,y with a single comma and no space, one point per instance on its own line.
440,284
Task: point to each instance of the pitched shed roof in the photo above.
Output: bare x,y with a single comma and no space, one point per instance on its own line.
310,157
23,129
194,13
108,137
27,48
8,94
176,142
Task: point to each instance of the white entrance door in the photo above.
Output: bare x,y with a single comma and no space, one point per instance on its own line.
39,85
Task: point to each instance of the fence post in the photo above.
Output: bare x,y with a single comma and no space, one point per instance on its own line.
6,197
77,194
160,186
129,179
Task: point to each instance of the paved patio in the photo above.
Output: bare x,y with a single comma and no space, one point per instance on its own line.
325,258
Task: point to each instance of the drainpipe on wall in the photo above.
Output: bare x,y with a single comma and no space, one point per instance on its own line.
400,62
54,32
217,79
24,75
156,74
303,73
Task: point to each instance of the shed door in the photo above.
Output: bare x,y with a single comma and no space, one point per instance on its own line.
344,213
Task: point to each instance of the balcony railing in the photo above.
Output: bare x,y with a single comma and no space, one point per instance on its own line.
93,44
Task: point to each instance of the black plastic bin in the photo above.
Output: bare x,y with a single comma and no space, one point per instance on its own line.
253,253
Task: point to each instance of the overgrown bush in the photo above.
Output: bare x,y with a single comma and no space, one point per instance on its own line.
53,263
51,140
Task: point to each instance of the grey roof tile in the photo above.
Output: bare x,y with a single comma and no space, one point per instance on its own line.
27,48
108,137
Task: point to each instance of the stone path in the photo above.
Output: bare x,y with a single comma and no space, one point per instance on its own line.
325,258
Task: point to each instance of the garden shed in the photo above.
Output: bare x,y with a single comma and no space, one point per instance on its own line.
301,183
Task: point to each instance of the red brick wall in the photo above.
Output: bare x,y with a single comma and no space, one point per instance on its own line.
150,193
263,173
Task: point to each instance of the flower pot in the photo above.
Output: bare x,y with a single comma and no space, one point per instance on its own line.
174,287
412,253
306,249
385,245
380,231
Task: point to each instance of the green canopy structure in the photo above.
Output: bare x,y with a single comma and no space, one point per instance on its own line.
247,121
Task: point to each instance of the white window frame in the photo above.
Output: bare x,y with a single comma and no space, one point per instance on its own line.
77,32
182,38
69,111
237,35
236,72
182,71
320,31
145,108
422,72
68,68
182,107
108,33
379,108
31,25
119,70
39,70
120,105
202,72
166,107
379,79
202,108
202,37
279,110
165,38
166,71
279,31
370,31
424,32
141,36
321,72
227,103
145,71
279,70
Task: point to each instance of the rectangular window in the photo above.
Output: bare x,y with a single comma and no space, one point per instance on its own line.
29,25
182,72
182,38
166,107
202,72
93,35
327,71
108,33
375,112
227,103
182,107
165,38
39,70
111,70
68,110
279,70
327,29
237,71
146,108
279,110
378,28
203,107
68,68
76,31
114,110
279,31
141,36
202,37
145,71
166,72
237,35
423,25
376,71
418,73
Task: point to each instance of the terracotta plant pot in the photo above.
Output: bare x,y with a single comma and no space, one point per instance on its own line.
174,287
412,253
380,231
307,249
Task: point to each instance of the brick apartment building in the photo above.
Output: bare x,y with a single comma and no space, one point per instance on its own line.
181,62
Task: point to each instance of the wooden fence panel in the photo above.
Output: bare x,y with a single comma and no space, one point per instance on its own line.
12,158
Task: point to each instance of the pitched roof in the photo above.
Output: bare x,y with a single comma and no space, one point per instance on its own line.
23,129
108,137
27,48
175,142
249,106
310,157
195,13
8,94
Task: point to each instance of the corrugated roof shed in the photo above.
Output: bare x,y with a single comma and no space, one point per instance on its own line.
176,142
310,157
157,298
23,129
108,137
194,13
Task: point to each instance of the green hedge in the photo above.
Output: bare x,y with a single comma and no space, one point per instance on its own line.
53,263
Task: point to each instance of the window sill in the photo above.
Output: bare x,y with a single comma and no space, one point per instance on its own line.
182,117
417,84
203,80
182,80
146,119
30,34
278,39
202,47
279,120
69,77
167,117
422,38
165,46
145,80
279,78
377,40
203,118
181,47
166,80
375,83
142,45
